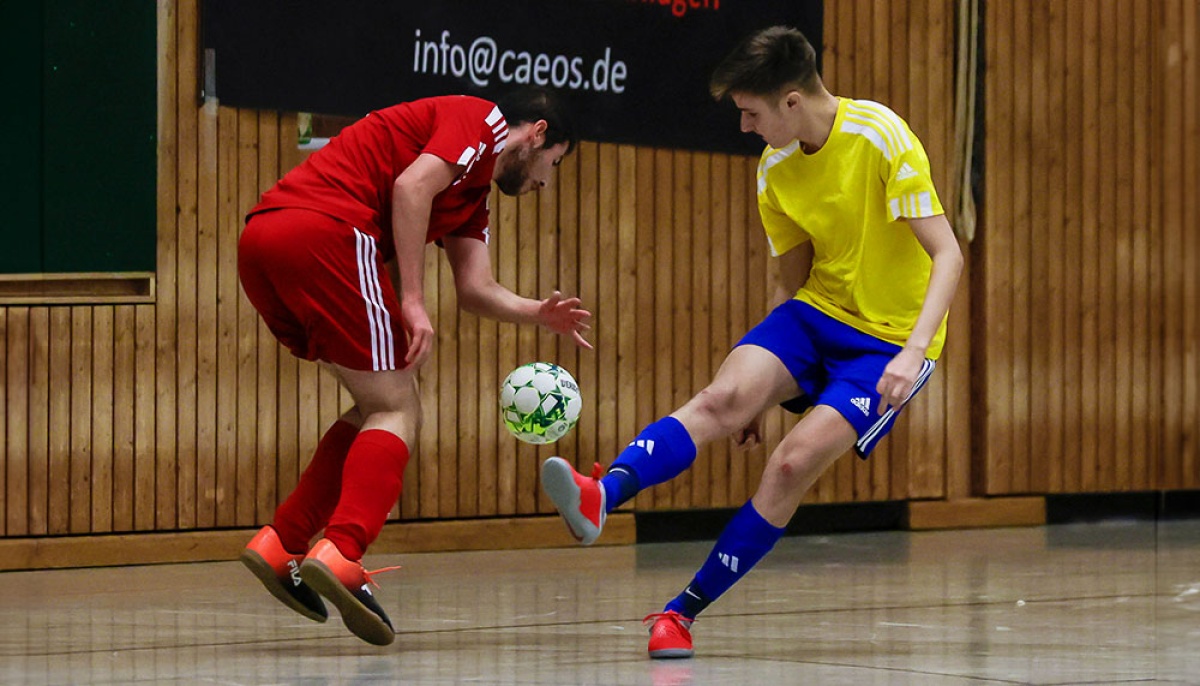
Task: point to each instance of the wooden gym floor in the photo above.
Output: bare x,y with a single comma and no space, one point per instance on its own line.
1116,602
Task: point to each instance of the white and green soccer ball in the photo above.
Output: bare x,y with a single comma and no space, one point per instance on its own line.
539,402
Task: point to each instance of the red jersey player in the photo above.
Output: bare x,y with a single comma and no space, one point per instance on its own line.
313,261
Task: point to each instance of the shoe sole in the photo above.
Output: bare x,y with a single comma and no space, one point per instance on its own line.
670,654
558,480
266,574
358,618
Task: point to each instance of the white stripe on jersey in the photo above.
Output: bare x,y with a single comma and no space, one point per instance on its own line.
379,321
912,206
869,130
493,116
467,155
772,160
891,123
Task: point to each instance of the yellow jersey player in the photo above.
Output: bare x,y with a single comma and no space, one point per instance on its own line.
869,265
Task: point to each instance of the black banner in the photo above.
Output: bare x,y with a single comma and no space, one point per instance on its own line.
636,70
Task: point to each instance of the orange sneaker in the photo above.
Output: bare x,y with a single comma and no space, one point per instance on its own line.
347,585
579,499
279,571
669,635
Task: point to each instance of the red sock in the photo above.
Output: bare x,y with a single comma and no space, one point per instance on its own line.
307,510
371,484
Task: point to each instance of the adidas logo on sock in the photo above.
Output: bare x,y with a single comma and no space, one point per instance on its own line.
729,561
648,446
863,404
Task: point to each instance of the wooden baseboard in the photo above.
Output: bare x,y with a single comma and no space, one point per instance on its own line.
976,513
61,552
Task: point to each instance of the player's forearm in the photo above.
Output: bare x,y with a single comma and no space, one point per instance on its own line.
943,281
493,301
410,224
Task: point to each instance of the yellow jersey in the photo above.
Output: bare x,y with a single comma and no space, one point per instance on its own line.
851,199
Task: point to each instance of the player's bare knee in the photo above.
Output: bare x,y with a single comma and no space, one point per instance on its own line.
718,405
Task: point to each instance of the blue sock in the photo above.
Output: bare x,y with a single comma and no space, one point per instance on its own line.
659,453
746,539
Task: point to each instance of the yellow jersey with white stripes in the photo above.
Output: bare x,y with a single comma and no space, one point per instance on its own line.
851,199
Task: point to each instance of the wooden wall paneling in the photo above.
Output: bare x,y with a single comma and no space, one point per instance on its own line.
195,187
174,103
683,310
700,226
439,297
665,300
628,315
1151,107
1140,194
100,518
741,198
246,511
124,408
997,247
145,445
58,482
645,297
1072,258
1107,228
505,253
1019,264
1089,262
470,375
1042,249
1172,257
718,324
39,420
222,460
1132,319
17,454
1191,301
79,419
266,493
204,451
1125,226
1049,252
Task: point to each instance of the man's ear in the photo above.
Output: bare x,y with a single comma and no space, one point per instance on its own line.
538,134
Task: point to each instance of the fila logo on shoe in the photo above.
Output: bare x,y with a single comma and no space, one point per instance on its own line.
648,446
863,404
294,571
729,561
906,172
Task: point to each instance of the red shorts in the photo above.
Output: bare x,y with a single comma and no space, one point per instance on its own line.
321,287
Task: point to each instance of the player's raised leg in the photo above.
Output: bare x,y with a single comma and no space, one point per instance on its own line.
750,380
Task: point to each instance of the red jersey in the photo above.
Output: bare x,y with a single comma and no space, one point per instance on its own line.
351,178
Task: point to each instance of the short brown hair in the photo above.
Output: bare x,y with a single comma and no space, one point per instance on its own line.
766,63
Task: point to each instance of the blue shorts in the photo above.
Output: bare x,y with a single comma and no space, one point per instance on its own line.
834,364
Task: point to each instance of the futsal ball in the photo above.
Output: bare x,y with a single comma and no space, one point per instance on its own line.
539,402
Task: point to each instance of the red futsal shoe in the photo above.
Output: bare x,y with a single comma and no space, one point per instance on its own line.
279,571
347,585
669,635
579,499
